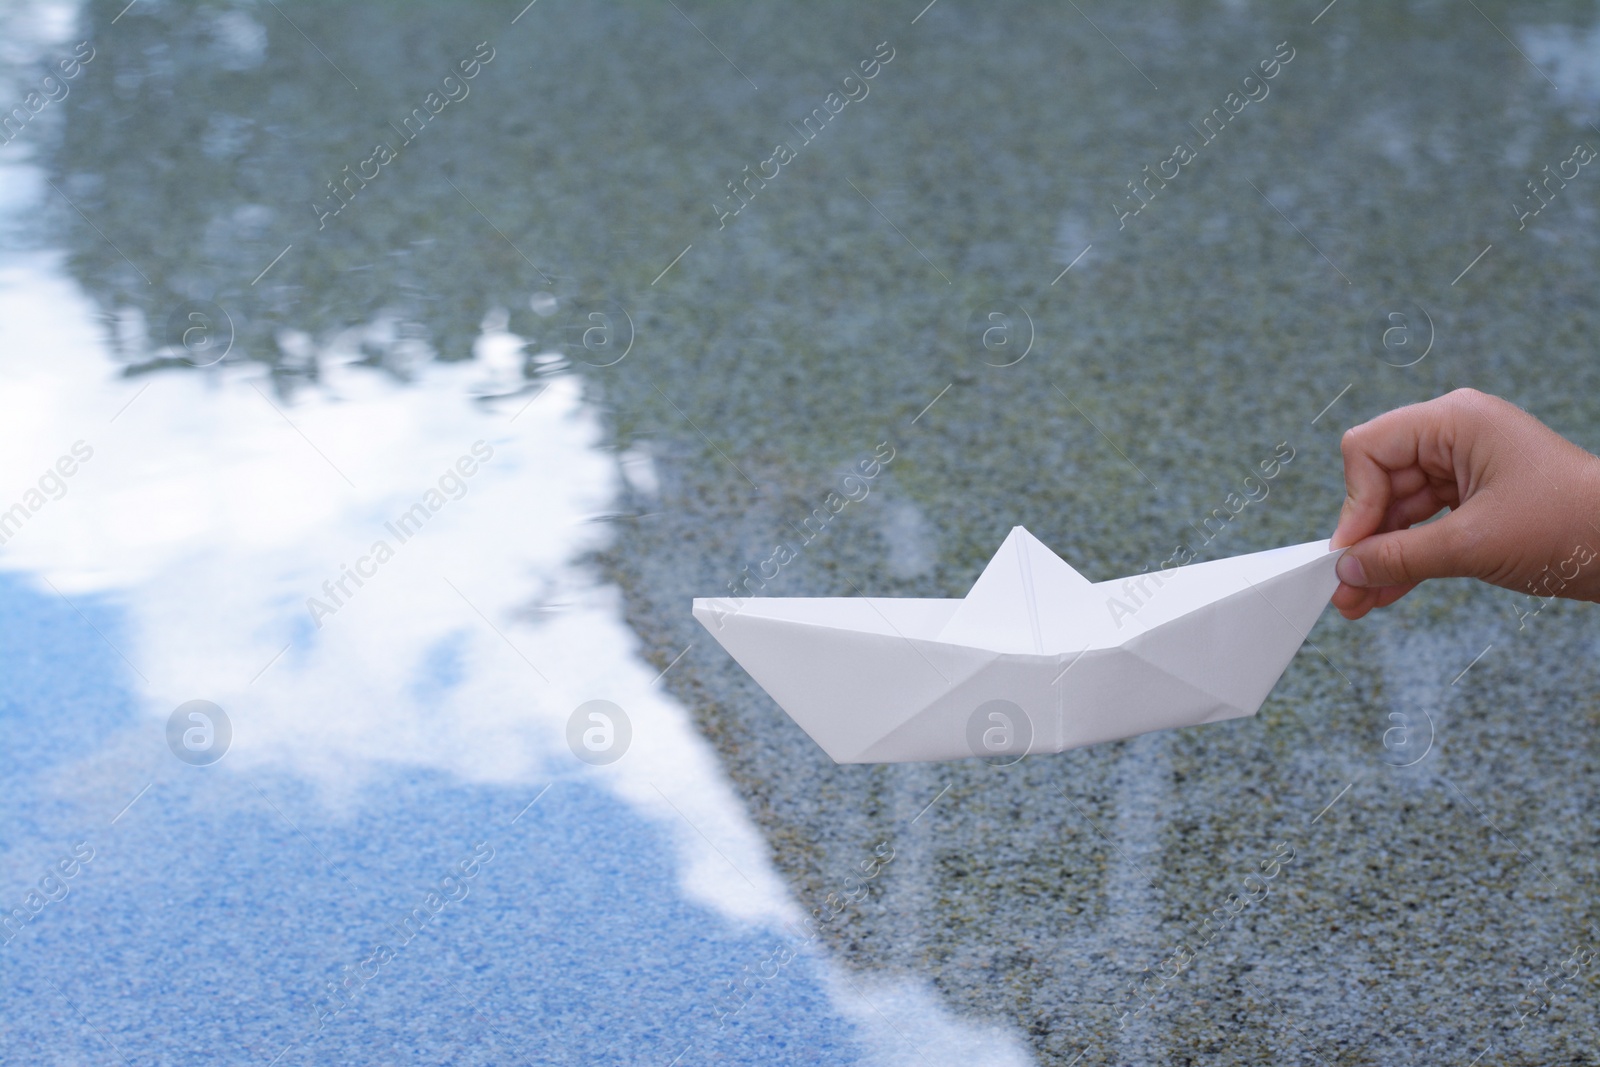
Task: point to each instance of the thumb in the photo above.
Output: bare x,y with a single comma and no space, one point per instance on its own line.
1405,557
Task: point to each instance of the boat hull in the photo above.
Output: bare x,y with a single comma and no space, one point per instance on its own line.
867,679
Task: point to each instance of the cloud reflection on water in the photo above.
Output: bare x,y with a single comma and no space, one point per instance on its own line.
213,509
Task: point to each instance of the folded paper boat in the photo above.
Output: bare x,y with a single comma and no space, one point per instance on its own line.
1035,658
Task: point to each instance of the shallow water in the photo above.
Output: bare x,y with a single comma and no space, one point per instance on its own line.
546,282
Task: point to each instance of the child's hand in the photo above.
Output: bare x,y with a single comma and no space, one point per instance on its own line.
1524,503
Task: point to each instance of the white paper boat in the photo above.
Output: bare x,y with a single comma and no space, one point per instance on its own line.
1035,658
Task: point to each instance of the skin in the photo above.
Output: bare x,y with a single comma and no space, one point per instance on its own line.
1518,499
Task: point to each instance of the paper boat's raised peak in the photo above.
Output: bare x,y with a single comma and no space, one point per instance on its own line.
1006,597
1022,557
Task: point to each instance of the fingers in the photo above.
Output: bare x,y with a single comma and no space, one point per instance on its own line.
1519,497
1368,493
1405,557
1392,456
1353,602
1419,506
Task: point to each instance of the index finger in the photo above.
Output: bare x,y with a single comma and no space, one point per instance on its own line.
1400,440
1368,494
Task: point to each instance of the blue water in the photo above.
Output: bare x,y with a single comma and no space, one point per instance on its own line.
217,907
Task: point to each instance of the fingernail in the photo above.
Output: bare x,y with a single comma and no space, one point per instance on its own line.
1350,571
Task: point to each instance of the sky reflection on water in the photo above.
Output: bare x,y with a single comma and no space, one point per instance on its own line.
431,703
